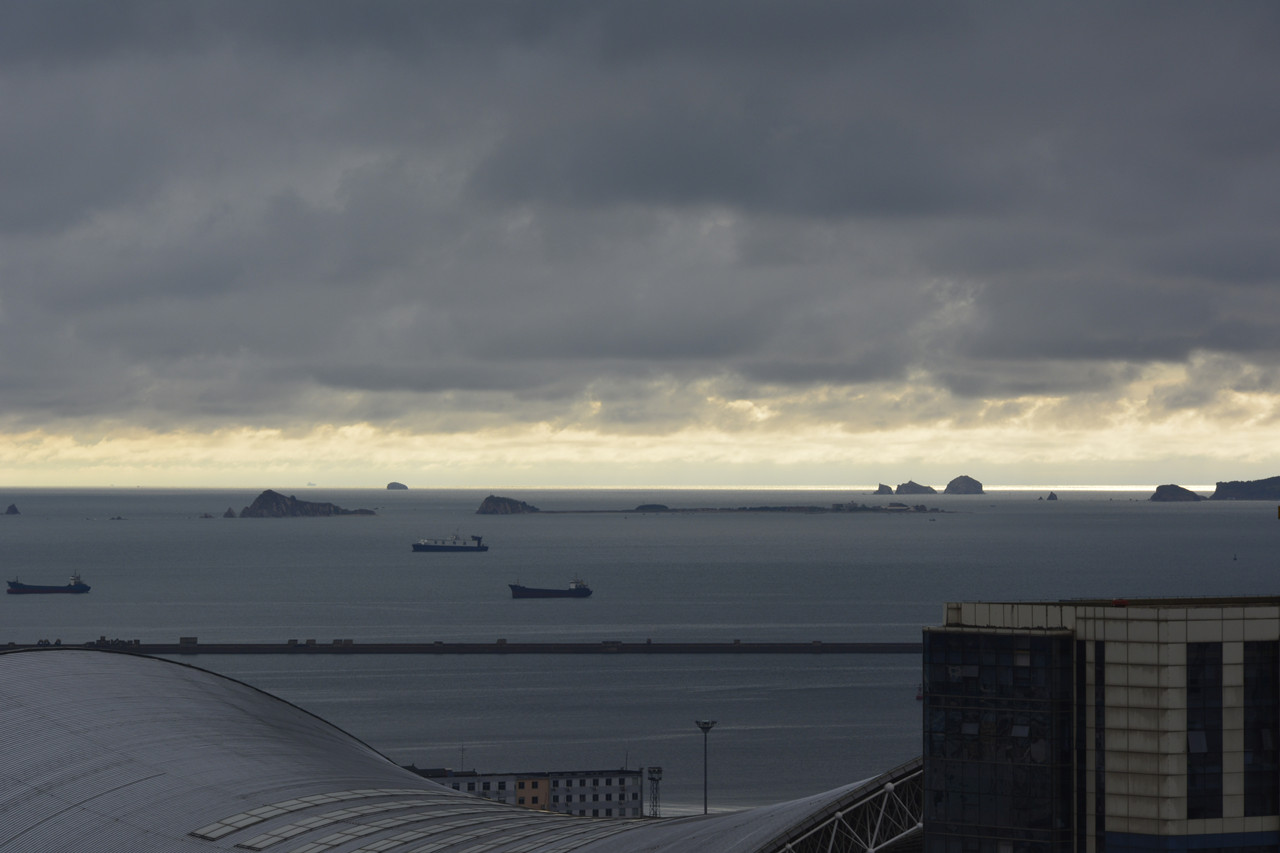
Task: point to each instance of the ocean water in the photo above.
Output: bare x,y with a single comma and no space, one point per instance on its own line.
788,725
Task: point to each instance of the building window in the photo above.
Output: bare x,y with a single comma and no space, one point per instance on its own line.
520,801
1204,730
471,786
534,801
1261,718
484,786
1100,745
502,786
1082,770
520,785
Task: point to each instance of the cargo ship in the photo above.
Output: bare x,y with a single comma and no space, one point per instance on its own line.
452,543
75,585
577,589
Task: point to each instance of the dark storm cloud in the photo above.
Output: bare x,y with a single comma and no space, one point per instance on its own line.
228,212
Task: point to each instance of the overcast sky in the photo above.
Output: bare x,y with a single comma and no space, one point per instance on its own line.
592,242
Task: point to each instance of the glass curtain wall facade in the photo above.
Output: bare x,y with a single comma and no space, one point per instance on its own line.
999,775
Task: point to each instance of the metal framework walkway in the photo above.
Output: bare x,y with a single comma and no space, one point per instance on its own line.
884,814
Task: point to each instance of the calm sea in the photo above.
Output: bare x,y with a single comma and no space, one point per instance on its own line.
788,725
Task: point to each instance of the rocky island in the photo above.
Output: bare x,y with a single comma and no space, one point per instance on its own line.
964,485
911,487
494,505
395,487
1248,490
1172,493
271,504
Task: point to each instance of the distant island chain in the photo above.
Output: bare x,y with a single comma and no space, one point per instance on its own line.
273,504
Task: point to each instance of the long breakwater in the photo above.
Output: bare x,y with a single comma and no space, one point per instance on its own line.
192,646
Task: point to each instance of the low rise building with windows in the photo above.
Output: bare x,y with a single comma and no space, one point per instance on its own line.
585,793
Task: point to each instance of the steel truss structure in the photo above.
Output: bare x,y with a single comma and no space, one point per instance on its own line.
884,814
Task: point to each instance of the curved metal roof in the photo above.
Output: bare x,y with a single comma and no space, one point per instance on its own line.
106,751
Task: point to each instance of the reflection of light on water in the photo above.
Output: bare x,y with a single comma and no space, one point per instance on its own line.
1147,490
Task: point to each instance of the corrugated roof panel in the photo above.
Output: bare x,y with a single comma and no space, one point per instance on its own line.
106,751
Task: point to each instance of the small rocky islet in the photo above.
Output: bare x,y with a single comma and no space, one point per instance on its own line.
272,504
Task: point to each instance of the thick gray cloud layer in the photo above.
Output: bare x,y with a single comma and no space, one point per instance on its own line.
453,214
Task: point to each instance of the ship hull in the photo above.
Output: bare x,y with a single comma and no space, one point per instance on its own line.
422,546
16,588
518,591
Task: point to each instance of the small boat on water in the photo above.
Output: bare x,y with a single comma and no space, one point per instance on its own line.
577,589
17,587
452,543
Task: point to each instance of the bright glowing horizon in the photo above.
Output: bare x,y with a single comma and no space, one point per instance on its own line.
538,457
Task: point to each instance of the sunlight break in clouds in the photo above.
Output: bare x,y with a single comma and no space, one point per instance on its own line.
1011,451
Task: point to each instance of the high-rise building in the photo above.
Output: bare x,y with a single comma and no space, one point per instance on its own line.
1103,726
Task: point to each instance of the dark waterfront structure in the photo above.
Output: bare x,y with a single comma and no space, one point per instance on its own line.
1103,727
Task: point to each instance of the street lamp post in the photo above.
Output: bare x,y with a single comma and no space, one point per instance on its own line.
705,725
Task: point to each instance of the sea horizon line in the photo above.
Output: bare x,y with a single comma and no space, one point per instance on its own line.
859,487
